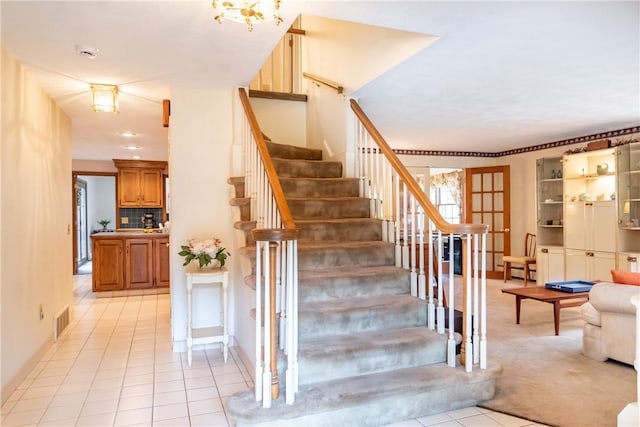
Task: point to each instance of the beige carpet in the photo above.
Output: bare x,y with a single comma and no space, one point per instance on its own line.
546,378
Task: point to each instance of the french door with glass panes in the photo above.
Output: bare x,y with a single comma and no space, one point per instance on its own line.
487,202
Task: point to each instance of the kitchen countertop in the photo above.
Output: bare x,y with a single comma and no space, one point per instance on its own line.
138,234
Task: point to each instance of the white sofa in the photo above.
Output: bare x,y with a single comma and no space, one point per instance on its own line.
609,330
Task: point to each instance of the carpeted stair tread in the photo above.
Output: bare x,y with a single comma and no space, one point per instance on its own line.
319,187
343,229
338,356
240,201
360,314
374,399
328,207
313,255
298,168
284,151
345,282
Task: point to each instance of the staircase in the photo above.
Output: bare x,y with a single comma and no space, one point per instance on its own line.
365,356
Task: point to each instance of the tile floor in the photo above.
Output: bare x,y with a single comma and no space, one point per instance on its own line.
114,367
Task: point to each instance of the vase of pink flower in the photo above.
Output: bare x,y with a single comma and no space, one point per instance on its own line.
207,252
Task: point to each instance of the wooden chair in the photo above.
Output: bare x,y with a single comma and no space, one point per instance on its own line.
522,262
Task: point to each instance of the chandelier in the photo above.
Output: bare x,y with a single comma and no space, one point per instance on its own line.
249,12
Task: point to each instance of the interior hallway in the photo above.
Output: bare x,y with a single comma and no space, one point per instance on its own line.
115,367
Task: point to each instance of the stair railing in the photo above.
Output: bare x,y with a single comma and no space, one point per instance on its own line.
276,265
399,202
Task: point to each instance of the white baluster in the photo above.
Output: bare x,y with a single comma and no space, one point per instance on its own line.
266,375
414,273
451,343
290,393
258,368
405,227
476,297
431,308
468,348
397,220
440,309
421,279
483,304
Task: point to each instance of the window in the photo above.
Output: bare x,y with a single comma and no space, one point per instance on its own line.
445,192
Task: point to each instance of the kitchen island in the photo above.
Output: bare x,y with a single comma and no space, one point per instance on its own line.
130,260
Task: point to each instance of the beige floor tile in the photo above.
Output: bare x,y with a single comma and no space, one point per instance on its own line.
229,389
435,419
165,412
31,404
160,399
216,419
56,413
478,421
135,402
205,381
133,416
99,407
101,420
23,417
137,390
207,406
463,413
103,394
173,422
164,387
202,393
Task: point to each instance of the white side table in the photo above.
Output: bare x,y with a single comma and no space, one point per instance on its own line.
207,335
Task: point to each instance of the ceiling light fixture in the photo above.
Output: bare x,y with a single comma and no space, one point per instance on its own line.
104,98
132,147
248,12
128,134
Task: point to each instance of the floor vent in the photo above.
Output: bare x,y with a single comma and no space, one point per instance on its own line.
60,323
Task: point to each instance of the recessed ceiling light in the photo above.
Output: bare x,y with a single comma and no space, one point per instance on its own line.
132,147
128,134
135,157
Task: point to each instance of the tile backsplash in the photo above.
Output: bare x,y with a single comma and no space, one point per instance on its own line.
134,216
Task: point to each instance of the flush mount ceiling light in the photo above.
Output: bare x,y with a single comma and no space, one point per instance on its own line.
248,12
132,147
128,134
104,98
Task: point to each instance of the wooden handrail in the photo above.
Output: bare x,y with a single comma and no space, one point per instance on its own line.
411,183
270,170
320,80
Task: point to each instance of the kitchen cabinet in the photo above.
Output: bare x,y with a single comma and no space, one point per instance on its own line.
139,264
129,261
549,264
140,183
108,265
161,265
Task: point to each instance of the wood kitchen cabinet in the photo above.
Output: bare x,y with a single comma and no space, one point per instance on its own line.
139,264
108,265
161,266
140,183
127,261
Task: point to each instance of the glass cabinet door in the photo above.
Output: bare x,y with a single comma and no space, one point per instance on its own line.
629,186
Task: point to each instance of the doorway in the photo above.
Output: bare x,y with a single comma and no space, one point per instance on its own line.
487,201
82,230
94,199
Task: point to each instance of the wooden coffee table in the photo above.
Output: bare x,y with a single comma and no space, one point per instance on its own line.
557,298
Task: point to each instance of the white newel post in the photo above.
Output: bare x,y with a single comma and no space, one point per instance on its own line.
630,415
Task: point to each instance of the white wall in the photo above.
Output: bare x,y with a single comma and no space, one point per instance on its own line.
282,121
200,159
101,202
80,165
36,238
